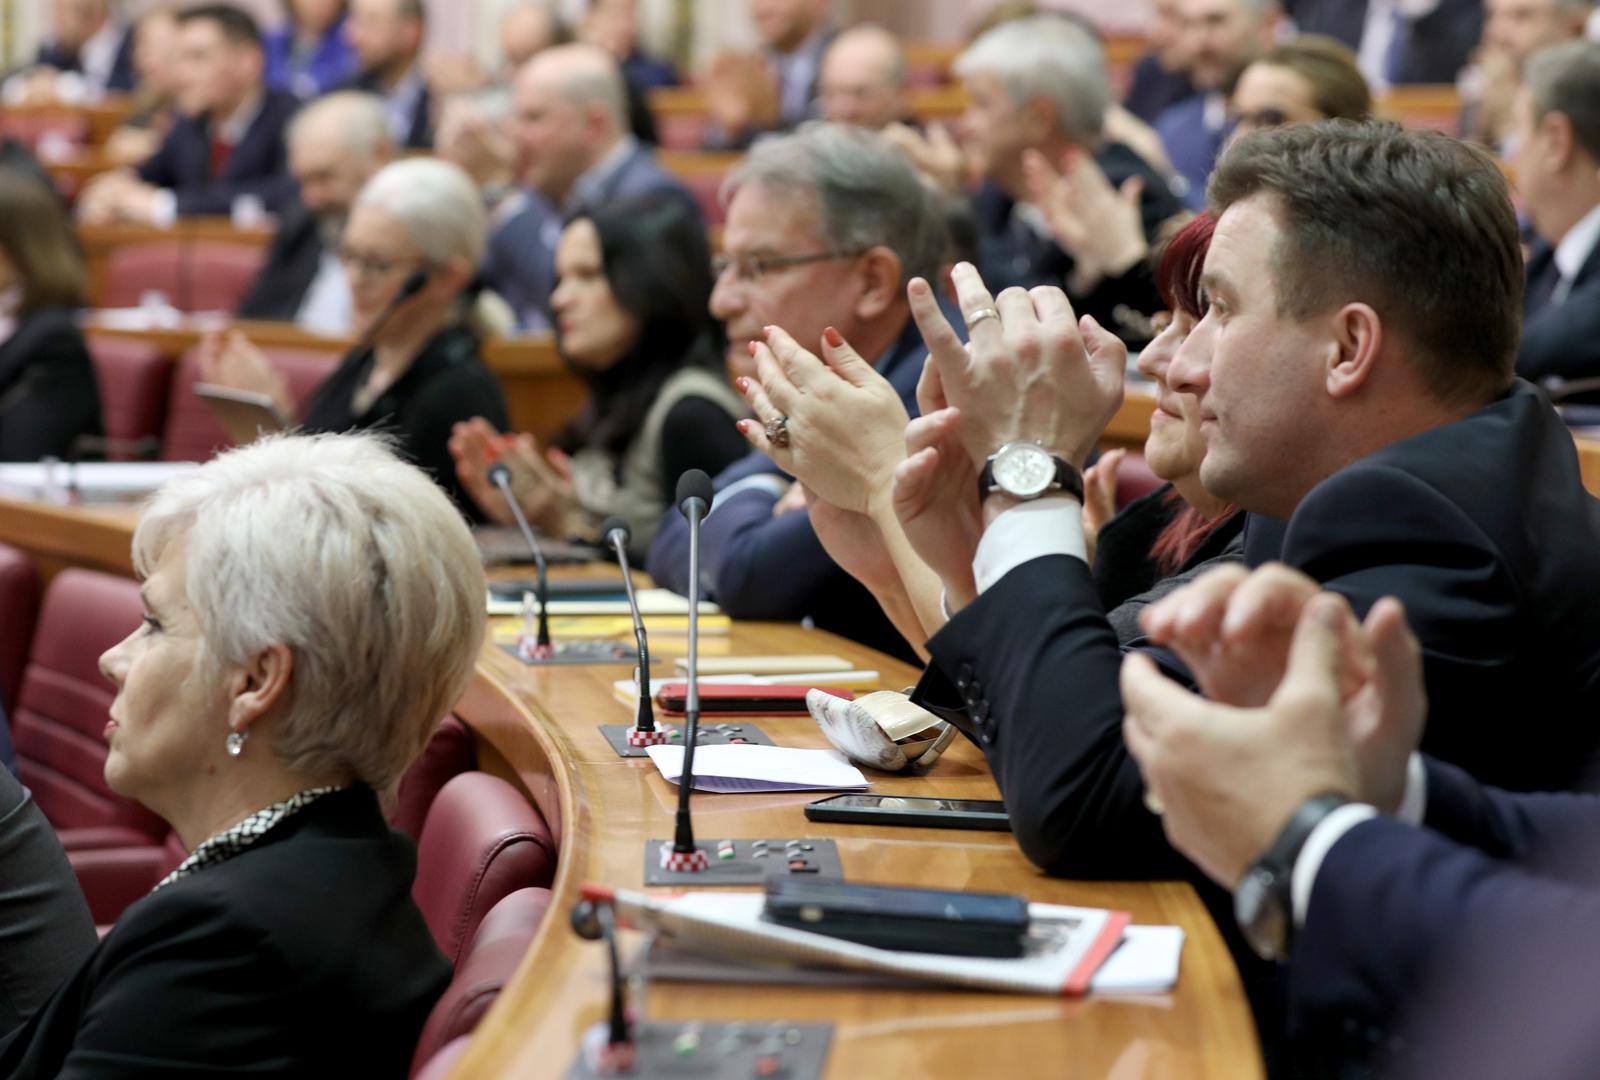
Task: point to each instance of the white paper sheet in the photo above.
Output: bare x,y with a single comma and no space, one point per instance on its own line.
93,480
1145,963
736,768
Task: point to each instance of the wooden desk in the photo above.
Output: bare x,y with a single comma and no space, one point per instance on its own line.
58,537
538,726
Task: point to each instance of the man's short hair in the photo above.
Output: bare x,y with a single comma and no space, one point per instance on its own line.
237,27
1416,224
867,194
1046,56
1566,79
363,126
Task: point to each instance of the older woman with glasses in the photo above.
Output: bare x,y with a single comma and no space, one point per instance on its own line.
312,606
411,249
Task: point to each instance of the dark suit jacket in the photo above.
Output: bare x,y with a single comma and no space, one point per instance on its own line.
1400,917
757,566
48,392
1154,89
122,78
1563,340
520,263
1191,145
1435,49
280,287
420,135
304,955
258,166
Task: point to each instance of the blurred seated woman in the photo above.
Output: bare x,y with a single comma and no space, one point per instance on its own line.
313,606
309,54
48,395
413,242
1310,78
631,318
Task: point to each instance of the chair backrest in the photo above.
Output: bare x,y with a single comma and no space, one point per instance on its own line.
1134,479
133,377
194,275
193,432
62,710
449,753
223,272
19,608
502,940
482,841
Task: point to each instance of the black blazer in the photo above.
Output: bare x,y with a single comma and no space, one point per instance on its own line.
1561,340
259,164
281,285
446,383
420,134
122,78
304,955
48,392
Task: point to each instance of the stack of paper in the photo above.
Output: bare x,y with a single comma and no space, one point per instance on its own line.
742,768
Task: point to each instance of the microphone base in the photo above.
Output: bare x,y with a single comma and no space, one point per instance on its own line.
744,862
570,652
708,1051
621,736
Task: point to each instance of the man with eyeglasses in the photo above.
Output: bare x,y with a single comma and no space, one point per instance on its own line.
825,227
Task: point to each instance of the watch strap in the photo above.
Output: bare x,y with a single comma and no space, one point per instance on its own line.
1277,862
1068,480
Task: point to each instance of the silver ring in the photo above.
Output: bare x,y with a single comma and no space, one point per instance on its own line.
981,314
778,431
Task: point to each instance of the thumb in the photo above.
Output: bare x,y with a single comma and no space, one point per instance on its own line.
1132,191
1317,653
1107,352
844,359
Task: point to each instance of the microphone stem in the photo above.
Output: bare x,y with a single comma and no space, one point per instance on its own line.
646,718
683,841
538,558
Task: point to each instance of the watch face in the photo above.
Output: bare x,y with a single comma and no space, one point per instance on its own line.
1261,918
1023,470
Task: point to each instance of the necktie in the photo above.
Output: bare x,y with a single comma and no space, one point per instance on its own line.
1544,278
221,151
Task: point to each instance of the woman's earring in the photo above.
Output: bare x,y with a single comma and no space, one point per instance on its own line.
235,743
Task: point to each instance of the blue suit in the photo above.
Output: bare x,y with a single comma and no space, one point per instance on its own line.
1561,339
1192,146
520,263
757,566
331,66
258,165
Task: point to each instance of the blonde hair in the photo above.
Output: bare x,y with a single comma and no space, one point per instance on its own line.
355,560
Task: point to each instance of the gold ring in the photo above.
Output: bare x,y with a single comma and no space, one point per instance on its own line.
981,314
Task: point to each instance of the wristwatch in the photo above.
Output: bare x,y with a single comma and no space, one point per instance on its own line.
1026,470
1263,904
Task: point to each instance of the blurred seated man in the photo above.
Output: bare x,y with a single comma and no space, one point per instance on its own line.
863,79
571,130
1310,78
87,54
748,93
1038,86
1556,160
336,144
229,143
613,25
1161,75
155,100
825,227
1432,925
1513,31
387,36
1399,41
1223,37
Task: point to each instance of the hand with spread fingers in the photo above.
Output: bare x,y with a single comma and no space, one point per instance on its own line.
541,483
1032,372
1100,498
1229,779
228,358
936,502
936,155
1098,225
834,424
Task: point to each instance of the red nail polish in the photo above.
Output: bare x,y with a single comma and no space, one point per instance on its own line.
752,348
833,337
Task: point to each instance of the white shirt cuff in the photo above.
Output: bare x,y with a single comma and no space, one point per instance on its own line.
1052,525
1414,803
164,208
1316,848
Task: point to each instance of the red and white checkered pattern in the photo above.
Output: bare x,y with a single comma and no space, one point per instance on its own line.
684,862
647,738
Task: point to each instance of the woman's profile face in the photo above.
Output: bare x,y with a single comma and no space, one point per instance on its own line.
1176,446
168,725
594,329
1268,95
378,256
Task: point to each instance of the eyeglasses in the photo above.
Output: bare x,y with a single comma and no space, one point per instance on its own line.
755,267
371,265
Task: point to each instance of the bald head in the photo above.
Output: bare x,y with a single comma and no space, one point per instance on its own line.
863,78
335,144
571,107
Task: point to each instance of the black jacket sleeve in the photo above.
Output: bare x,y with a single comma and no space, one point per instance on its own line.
53,397
698,434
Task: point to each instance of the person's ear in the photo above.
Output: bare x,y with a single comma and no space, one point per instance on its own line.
1040,120
259,685
1555,139
1352,350
879,272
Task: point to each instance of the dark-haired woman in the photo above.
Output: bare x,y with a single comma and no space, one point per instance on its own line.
48,395
633,282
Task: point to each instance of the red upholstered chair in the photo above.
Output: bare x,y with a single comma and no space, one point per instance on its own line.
482,841
502,940
192,431
449,753
133,377
135,269
19,607
114,877
1134,479
194,275
223,273
59,723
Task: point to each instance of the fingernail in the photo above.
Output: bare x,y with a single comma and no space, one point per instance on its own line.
1328,613
766,331
752,347
742,383
833,337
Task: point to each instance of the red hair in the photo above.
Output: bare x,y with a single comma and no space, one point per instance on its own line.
1178,279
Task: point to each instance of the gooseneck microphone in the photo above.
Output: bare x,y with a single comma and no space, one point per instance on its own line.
499,475
694,500
616,533
412,285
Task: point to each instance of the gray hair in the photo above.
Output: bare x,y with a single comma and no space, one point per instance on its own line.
1566,79
438,204
1049,57
866,192
358,117
355,560
594,77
